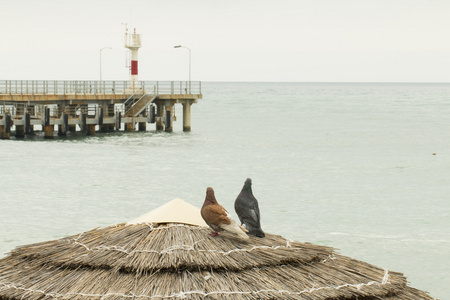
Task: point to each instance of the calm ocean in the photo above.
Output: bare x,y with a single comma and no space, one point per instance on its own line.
359,166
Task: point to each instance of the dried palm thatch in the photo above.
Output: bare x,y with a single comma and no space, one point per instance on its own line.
170,261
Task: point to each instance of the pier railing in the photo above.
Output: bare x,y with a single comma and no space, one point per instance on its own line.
57,87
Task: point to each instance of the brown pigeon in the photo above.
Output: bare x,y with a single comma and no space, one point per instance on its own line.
218,217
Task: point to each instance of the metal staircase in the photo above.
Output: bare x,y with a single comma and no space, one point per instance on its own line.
135,104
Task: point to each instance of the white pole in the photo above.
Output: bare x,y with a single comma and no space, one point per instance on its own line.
179,46
189,70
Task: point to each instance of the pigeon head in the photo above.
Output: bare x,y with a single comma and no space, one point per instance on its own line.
210,198
248,185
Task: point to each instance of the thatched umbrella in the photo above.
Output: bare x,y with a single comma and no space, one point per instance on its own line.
176,259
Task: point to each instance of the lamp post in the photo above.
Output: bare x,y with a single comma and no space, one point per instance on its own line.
101,66
179,46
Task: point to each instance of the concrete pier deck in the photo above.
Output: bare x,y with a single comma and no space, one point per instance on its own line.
89,106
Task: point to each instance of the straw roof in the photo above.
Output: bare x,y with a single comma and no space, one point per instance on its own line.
176,260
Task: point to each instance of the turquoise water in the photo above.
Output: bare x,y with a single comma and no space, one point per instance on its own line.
361,167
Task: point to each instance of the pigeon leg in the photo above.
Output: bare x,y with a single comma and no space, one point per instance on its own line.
214,233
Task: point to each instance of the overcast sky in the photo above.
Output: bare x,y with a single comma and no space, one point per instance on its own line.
231,40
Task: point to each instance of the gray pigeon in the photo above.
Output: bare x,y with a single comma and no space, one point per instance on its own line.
247,209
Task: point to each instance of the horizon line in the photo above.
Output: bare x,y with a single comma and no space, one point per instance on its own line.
243,81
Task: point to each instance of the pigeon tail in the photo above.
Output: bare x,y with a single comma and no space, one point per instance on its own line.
256,231
233,227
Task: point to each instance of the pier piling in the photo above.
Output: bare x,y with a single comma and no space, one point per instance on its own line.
142,126
187,116
5,130
169,117
48,131
20,131
90,129
159,116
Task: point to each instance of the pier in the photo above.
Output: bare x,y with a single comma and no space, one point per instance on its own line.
91,106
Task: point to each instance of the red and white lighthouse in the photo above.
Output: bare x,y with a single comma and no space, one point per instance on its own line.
133,42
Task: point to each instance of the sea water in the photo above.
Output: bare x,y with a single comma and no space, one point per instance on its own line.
362,167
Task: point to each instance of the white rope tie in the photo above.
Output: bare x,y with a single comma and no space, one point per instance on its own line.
180,247
288,243
385,279
183,294
169,226
175,247
330,257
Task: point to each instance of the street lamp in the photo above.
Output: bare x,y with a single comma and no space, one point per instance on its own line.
179,46
101,66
